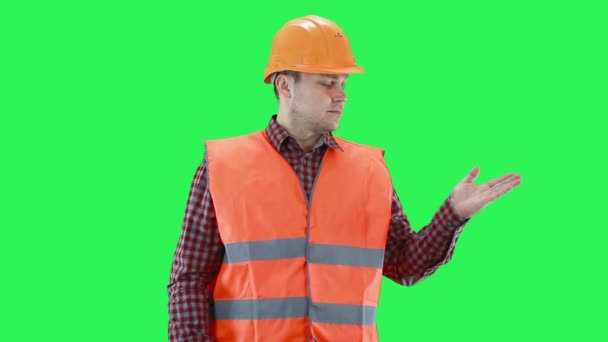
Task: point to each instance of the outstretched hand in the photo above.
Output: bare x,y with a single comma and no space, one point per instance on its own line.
467,198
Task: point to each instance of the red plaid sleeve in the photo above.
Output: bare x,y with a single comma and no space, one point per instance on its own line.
410,257
197,261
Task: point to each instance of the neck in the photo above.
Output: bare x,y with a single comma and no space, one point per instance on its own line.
305,138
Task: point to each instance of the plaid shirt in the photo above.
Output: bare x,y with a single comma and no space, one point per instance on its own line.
409,256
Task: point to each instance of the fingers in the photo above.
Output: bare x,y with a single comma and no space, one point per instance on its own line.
472,175
505,178
505,186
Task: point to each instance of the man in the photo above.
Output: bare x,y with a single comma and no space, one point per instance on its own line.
289,230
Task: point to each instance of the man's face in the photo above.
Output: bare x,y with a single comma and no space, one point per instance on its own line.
318,101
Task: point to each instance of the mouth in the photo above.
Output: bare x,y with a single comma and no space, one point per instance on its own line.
335,112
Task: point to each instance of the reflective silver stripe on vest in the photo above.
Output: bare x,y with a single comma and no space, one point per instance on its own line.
262,308
294,307
343,314
346,255
264,250
295,248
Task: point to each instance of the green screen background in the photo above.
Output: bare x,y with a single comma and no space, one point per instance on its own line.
105,105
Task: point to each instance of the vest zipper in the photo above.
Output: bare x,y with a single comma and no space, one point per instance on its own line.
309,201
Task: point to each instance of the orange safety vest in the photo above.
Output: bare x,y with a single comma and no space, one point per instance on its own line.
298,270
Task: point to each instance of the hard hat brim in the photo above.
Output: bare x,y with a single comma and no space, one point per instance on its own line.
328,71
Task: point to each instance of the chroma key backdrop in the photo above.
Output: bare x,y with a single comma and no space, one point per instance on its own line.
105,106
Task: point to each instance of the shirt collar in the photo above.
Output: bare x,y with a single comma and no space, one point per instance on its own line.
277,135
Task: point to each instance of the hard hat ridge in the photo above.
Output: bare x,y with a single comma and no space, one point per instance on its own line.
311,44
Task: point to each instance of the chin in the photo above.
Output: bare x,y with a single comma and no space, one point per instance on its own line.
332,128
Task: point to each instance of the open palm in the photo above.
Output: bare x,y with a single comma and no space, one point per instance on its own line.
468,198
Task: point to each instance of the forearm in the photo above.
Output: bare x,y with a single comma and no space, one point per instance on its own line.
411,257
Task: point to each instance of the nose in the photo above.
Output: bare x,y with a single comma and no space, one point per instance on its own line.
339,96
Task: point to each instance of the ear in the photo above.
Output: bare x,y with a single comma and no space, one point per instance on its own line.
284,86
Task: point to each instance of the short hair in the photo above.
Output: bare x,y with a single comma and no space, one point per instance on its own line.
295,74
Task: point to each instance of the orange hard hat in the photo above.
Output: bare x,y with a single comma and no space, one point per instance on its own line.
311,44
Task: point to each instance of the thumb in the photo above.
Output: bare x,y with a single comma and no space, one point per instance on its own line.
472,175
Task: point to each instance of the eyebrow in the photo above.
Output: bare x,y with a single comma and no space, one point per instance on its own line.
334,77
